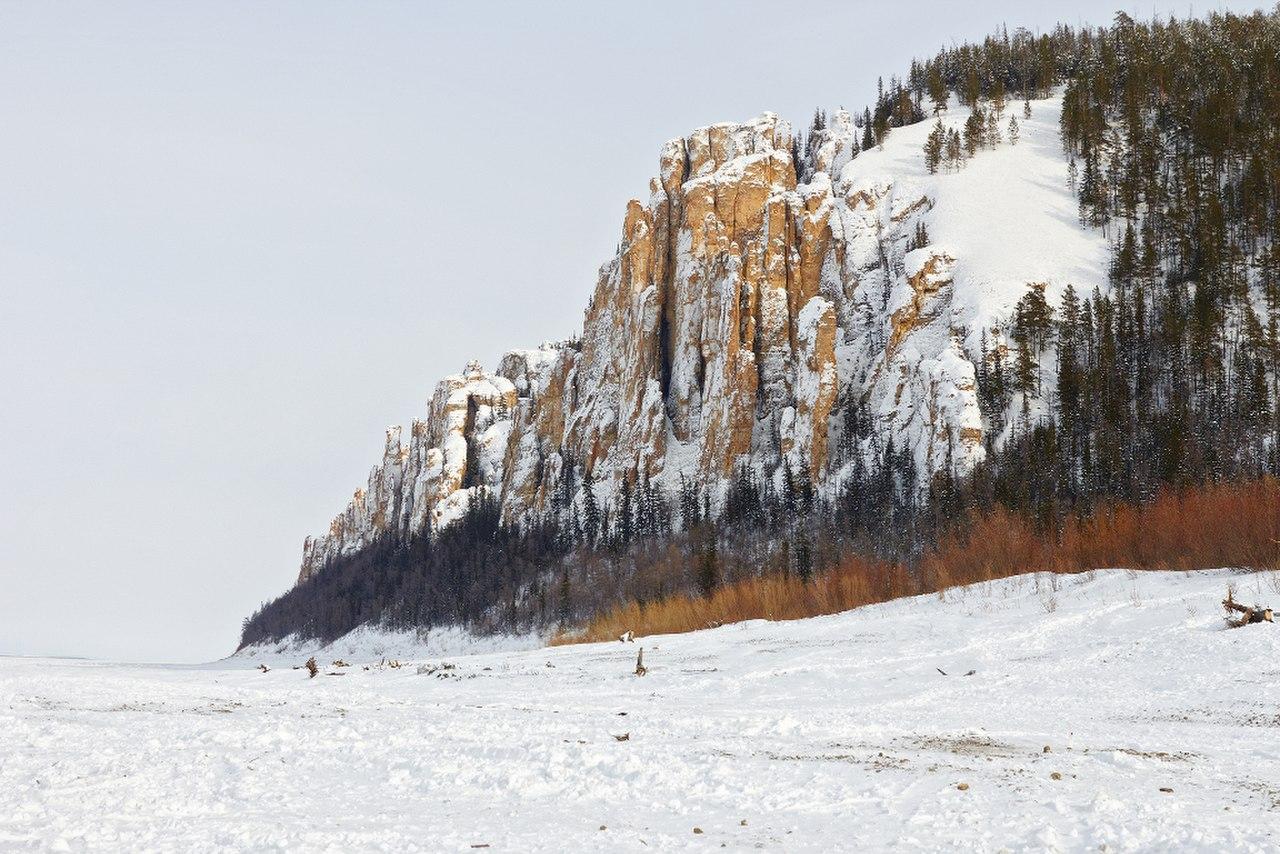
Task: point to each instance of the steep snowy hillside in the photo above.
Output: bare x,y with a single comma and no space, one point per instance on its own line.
1008,214
745,315
1108,711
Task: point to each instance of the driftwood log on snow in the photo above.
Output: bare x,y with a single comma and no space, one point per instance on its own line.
1255,614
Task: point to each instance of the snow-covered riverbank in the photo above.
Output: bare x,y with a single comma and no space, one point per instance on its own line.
833,733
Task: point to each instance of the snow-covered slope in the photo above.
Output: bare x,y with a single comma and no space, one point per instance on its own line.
836,733
744,312
1007,214
375,643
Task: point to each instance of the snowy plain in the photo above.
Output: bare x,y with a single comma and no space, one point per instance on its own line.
834,733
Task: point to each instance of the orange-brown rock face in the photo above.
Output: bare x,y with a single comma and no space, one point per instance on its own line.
930,274
743,310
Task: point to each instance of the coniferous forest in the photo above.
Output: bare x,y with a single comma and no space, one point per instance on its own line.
1164,384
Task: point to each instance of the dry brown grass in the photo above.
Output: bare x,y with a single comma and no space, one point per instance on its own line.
1221,525
771,597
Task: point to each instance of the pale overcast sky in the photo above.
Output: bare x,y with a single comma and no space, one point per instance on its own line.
239,239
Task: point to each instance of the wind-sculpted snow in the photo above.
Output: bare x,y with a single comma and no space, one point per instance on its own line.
752,301
1110,711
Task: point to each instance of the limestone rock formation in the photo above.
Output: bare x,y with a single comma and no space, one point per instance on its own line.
743,312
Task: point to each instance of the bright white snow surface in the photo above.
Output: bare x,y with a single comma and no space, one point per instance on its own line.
836,733
372,644
1008,214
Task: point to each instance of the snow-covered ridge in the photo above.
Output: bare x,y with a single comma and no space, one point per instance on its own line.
748,305
1106,711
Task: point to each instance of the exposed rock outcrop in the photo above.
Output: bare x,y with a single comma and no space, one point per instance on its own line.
741,313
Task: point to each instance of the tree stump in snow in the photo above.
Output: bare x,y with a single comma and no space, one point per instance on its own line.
640,668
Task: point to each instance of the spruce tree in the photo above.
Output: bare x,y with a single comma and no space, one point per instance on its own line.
993,129
955,150
591,522
934,145
937,88
975,128
625,524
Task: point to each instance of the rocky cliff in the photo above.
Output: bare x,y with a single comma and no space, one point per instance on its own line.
745,310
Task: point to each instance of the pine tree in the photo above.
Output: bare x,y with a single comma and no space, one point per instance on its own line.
975,128
934,145
1124,264
937,88
804,559
998,99
919,238
1093,208
659,510
972,89
804,488
1024,373
993,130
955,150
1014,130
690,512
625,524
1068,368
709,568
591,522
